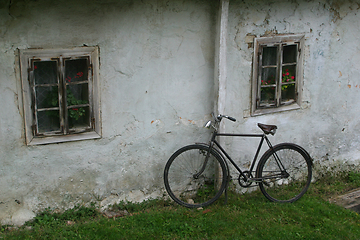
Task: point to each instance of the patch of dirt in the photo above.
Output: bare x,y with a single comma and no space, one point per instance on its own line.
115,214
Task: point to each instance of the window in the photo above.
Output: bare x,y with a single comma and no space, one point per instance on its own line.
60,94
277,73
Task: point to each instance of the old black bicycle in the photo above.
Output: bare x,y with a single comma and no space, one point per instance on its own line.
196,175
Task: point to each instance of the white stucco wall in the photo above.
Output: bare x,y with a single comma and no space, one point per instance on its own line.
157,89
327,125
156,79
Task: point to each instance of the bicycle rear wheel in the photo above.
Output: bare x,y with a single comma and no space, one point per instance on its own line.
285,173
193,182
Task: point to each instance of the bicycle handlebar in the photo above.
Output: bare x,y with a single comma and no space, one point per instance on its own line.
219,117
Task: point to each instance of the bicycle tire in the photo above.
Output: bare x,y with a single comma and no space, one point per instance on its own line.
288,187
179,179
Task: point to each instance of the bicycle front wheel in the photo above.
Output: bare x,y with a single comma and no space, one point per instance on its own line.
193,178
285,173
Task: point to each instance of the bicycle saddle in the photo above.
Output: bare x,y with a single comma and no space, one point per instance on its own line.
268,129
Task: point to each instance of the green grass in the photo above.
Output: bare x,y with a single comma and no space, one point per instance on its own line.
249,216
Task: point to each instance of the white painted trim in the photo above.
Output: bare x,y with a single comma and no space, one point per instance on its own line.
276,39
64,138
25,55
220,57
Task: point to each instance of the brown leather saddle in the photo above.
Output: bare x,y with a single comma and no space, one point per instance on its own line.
267,129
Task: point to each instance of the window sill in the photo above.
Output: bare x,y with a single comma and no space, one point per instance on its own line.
264,111
66,138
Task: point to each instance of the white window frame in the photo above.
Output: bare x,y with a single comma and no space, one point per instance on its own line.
279,40
26,56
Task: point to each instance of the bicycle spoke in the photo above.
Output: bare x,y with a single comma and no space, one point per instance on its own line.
181,184
289,182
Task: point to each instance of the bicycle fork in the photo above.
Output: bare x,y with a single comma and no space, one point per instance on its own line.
202,169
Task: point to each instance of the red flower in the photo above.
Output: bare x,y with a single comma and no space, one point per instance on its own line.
35,67
292,77
287,74
75,109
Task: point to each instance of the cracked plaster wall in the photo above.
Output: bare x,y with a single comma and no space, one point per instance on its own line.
327,125
156,79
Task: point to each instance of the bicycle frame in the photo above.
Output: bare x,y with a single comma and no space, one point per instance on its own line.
262,136
223,151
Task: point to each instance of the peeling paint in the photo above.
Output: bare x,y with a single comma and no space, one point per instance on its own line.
198,123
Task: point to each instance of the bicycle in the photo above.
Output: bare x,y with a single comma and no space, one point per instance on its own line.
196,175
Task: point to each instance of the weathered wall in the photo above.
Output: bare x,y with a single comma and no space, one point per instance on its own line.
156,79
327,125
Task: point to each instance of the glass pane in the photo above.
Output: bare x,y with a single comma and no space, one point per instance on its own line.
267,96
288,93
45,72
76,70
46,97
79,117
269,56
288,74
48,121
268,76
289,54
77,94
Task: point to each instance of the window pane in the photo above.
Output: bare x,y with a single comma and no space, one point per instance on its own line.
79,117
77,94
288,93
46,97
48,121
45,72
269,56
288,74
267,96
268,76
289,54
76,70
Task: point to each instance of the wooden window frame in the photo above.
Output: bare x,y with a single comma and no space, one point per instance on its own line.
280,41
27,57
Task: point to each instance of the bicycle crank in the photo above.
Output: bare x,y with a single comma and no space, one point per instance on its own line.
242,181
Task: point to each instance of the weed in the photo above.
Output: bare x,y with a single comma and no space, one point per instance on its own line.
141,206
51,218
354,177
